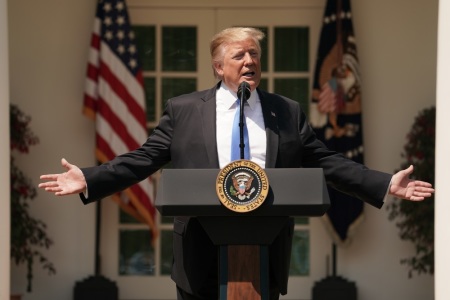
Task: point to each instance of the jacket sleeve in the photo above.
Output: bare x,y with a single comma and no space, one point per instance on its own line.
342,173
132,167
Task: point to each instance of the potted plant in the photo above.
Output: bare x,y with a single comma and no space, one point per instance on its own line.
28,235
416,220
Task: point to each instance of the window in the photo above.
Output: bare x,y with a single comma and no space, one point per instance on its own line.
173,49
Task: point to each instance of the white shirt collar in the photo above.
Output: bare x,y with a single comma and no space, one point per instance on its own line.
228,97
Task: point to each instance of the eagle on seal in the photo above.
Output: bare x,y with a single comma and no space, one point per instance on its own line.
242,184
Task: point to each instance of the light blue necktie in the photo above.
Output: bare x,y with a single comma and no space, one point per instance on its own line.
235,138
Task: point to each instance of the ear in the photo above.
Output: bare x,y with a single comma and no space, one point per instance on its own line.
218,68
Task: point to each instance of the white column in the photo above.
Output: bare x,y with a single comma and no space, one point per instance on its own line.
4,155
442,207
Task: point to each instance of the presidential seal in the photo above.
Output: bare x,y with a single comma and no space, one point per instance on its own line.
242,186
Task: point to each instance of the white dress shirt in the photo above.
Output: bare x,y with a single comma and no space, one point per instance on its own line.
225,110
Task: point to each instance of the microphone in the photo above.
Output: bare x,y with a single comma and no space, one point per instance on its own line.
243,91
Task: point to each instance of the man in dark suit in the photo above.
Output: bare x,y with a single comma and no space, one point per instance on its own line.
195,132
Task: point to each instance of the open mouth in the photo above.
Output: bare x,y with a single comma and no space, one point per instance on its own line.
247,74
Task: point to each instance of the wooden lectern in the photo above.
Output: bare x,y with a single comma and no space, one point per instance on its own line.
243,238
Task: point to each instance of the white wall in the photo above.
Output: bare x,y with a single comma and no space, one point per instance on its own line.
397,48
48,52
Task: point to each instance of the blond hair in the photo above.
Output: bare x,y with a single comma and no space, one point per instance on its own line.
221,40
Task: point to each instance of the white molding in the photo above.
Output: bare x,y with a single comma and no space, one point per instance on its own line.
216,4
442,205
4,156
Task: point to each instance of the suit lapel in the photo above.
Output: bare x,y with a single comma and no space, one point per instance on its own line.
272,131
207,109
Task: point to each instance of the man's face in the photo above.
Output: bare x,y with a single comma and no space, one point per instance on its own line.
240,63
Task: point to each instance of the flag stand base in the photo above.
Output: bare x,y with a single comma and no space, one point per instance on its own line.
334,287
95,288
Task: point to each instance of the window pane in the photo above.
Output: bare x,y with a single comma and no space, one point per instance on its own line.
179,49
264,50
291,49
137,256
300,254
166,251
166,220
126,218
145,43
263,84
150,98
294,88
301,220
172,87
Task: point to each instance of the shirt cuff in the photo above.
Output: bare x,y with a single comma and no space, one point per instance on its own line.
86,194
385,196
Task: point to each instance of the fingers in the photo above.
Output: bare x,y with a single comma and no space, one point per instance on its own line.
55,190
54,187
49,176
66,164
54,177
409,170
61,193
51,186
48,184
423,184
422,192
57,183
420,196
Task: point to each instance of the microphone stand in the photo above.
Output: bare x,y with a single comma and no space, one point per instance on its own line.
241,125
243,93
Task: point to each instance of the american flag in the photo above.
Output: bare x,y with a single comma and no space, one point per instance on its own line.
114,98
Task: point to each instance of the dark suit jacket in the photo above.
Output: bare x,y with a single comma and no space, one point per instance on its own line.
186,137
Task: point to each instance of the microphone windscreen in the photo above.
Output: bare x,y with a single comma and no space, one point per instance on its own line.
243,91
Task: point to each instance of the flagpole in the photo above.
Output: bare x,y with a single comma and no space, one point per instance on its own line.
333,260
93,287
97,237
114,78
339,64
334,43
98,217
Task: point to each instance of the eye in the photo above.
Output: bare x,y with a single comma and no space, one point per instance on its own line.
238,56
